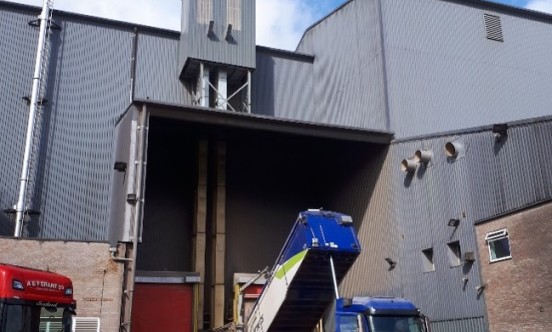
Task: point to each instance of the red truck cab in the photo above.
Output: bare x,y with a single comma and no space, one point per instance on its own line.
33,300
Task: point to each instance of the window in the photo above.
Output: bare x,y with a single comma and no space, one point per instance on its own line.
233,12
427,260
204,11
349,323
499,245
454,253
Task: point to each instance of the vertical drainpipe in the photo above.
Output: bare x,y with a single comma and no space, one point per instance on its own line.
248,91
384,66
25,168
222,90
133,65
203,85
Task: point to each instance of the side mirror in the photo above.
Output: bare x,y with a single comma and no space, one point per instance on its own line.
427,323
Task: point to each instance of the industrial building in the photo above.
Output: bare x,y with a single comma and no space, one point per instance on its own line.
165,162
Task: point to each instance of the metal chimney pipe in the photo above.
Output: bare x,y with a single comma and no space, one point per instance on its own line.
24,179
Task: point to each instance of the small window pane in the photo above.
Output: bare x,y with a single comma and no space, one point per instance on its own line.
499,249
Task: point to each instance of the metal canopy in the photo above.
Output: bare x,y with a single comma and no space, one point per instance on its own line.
264,123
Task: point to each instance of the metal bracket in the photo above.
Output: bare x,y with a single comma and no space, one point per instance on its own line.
51,25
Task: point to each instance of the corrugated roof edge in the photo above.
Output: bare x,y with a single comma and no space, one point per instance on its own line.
287,54
122,24
512,212
517,123
263,122
516,11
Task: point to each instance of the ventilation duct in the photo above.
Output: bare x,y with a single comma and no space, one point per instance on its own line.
409,165
454,149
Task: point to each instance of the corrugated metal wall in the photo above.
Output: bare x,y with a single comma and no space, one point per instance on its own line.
18,45
87,87
157,71
197,45
348,73
475,324
409,213
282,86
440,65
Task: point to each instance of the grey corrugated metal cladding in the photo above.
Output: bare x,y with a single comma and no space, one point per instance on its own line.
431,63
218,31
87,86
488,177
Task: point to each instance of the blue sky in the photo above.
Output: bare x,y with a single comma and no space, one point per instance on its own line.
280,23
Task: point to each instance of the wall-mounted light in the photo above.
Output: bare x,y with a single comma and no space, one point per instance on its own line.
120,166
391,262
454,148
423,156
409,165
453,222
500,130
469,256
479,289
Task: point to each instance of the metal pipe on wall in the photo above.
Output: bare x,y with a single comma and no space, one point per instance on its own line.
37,77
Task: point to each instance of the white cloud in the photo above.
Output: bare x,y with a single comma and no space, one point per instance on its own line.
160,13
540,5
280,23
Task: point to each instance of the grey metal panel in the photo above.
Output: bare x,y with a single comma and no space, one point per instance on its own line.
473,324
18,44
440,65
424,202
87,87
489,179
368,197
196,44
348,72
124,145
282,87
157,69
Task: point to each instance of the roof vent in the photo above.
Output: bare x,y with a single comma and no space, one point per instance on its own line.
493,27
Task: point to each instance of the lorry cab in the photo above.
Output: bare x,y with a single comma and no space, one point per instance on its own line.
378,314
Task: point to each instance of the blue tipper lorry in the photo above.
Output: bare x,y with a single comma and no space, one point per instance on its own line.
317,254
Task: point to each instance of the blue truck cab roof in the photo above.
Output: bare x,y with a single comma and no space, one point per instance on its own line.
378,306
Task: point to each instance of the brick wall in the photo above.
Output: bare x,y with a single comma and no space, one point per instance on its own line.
518,291
97,280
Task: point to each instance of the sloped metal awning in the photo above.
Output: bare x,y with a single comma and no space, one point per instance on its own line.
209,116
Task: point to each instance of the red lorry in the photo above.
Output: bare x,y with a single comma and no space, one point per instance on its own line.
34,300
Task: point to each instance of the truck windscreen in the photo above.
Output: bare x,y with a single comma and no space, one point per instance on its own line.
30,318
396,324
